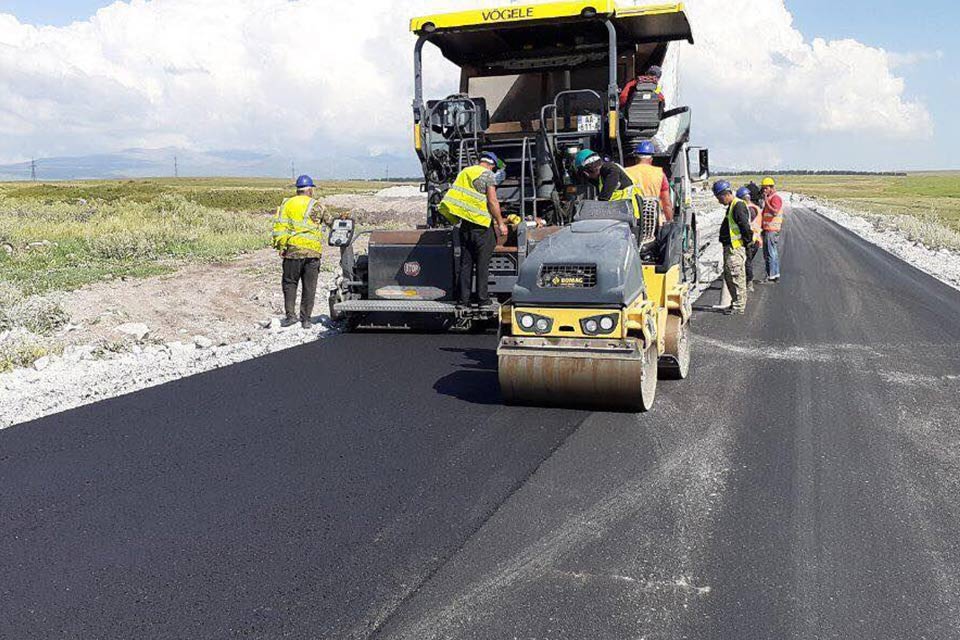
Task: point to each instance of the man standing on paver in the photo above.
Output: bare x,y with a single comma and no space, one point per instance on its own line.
472,202
772,223
735,236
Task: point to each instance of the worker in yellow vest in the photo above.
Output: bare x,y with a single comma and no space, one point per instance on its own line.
472,203
735,236
609,178
297,235
650,181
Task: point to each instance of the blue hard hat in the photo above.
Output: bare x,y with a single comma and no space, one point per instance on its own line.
584,158
305,182
646,148
743,193
720,186
492,158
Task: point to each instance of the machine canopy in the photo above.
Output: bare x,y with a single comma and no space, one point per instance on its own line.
549,34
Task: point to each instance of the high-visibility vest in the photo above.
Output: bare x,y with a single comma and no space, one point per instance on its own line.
736,238
627,193
772,221
464,202
647,179
756,222
293,227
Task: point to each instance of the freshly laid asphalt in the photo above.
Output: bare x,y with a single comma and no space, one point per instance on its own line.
804,482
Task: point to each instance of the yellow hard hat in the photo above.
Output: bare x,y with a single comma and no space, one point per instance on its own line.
768,182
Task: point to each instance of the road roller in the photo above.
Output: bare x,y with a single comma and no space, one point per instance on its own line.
596,317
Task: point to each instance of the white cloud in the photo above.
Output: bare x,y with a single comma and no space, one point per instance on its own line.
912,58
313,78
761,85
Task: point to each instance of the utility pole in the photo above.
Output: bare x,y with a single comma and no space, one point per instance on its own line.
33,170
293,171
387,179
176,168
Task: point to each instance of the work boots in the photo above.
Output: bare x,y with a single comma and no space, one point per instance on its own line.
288,322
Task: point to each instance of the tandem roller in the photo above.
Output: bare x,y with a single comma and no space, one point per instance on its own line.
589,324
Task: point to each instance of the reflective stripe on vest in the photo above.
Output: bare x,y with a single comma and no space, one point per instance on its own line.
772,221
293,227
627,193
465,202
736,238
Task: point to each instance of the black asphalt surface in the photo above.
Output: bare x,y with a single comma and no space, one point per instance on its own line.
803,483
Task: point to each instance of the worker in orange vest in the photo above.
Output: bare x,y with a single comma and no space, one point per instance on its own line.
772,224
756,224
650,181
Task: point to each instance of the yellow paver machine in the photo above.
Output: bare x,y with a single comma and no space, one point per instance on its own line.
538,83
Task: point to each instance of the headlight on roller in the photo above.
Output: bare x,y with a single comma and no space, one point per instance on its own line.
534,322
600,325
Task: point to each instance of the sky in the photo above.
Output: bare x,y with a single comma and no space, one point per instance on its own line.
858,84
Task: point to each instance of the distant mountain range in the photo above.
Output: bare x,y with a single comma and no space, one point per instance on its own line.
143,163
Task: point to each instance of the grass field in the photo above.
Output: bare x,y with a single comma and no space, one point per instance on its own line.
926,206
63,235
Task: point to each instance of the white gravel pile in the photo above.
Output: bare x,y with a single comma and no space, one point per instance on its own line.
83,375
942,264
401,191
709,217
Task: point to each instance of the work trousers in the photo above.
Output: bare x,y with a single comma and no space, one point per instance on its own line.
752,251
735,275
771,253
295,271
476,249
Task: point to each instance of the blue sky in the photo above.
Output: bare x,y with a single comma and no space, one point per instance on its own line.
919,26
52,12
929,63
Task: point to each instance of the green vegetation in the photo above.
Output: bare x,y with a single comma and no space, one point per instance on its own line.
925,206
255,195
64,235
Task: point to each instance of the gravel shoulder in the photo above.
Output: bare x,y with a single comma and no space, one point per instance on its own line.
941,263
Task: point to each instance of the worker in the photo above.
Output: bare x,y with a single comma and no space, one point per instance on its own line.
735,236
652,76
650,181
297,236
610,179
772,223
756,225
472,202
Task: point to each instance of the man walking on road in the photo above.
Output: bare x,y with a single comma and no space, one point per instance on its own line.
756,225
772,223
297,236
472,201
735,236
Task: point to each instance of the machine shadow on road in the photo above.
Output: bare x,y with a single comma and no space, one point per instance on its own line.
476,381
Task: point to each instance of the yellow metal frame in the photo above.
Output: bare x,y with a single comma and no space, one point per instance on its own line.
492,17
